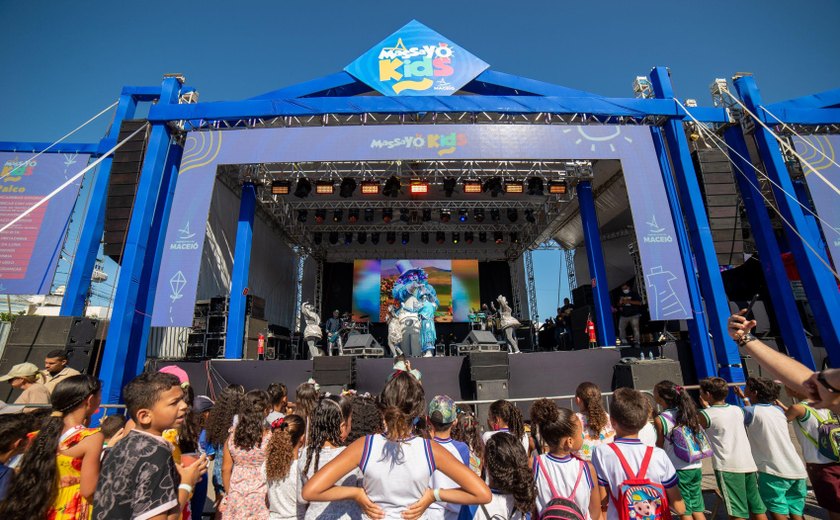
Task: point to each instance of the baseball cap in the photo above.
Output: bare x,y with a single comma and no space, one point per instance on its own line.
202,403
442,409
21,370
176,371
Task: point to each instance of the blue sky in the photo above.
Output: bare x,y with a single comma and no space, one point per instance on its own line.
65,61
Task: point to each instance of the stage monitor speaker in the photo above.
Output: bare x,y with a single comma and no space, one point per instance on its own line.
489,390
360,341
481,337
489,366
644,375
334,370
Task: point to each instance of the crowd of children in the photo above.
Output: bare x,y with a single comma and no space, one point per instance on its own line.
348,457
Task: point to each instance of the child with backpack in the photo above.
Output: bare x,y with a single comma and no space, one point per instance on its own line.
640,480
442,417
813,428
566,486
510,481
679,433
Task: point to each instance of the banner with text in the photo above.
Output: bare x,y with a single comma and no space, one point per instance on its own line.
29,250
821,152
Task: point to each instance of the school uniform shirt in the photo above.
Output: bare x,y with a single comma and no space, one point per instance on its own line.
525,441
339,509
611,474
444,510
809,424
283,496
648,435
563,472
772,447
6,474
501,507
728,438
666,419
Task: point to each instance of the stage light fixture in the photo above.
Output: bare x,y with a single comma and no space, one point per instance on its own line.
404,214
558,187
449,186
495,215
514,187
368,214
424,237
445,215
529,216
390,237
418,188
333,237
535,186
493,185
361,237
440,237
514,238
281,187
348,239
427,215
478,215
404,238
392,187
370,188
337,215
456,237
387,215
498,237
348,186
353,215
463,215
468,237
374,237
472,186
324,188
512,214
302,214
317,237
482,236
303,188
320,216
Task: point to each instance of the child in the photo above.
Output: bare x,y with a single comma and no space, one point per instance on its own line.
281,468
202,405
823,472
503,416
466,431
279,397
139,477
328,430
13,430
511,481
679,410
306,399
629,415
60,486
367,419
112,431
735,469
219,423
597,428
442,417
558,473
397,466
648,434
243,471
540,408
781,473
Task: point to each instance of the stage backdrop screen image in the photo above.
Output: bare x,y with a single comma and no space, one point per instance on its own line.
454,282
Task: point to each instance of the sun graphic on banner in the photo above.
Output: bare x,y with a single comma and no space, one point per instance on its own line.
817,151
614,132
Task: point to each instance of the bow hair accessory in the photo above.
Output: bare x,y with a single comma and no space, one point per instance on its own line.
279,423
315,384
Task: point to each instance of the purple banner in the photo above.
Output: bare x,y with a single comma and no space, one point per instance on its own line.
821,152
29,250
632,145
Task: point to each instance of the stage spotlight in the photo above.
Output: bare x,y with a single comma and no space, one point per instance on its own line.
404,238
493,185
374,237
463,216
456,237
333,237
449,186
512,214
404,215
392,187
495,216
353,215
427,215
361,237
482,236
498,237
478,215
514,187
445,215
320,216
324,188
348,239
303,188
317,237
472,186
468,237
424,237
557,187
348,186
337,215
535,186
302,214
387,215
529,216
368,214
370,188
440,237
281,187
514,237
418,188
390,237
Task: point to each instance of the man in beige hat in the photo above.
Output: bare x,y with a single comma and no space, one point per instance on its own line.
27,377
56,369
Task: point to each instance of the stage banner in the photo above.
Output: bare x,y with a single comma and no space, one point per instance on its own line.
825,199
29,250
632,145
416,61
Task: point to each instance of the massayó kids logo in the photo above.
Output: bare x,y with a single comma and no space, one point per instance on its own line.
416,61
14,170
443,144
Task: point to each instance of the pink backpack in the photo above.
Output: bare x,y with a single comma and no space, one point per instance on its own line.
560,507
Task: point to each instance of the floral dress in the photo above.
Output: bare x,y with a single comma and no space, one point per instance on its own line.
605,436
246,497
69,503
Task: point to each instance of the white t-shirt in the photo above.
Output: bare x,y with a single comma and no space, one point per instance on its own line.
772,447
444,510
611,474
666,418
648,434
563,472
728,438
283,496
340,509
809,424
396,474
525,442
499,508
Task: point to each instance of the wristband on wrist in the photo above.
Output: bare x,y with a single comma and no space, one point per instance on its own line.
436,493
823,381
186,487
746,338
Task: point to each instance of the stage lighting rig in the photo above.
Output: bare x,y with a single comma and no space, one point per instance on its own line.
482,236
348,238
456,237
390,237
418,188
404,238
317,238
445,215
468,237
303,188
404,214
353,215
333,237
512,214
449,186
514,238
370,188
320,216
387,215
302,214
498,237
281,187
558,187
535,186
514,187
361,237
374,238
472,186
440,237
495,215
369,214
392,187
427,215
337,215
324,188
463,215
529,216
478,215
424,237
348,186
494,186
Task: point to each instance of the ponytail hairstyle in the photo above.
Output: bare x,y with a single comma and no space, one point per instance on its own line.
286,433
509,414
190,429
507,467
466,431
250,429
593,406
766,390
221,415
325,426
35,487
677,398
553,422
306,399
402,400
541,411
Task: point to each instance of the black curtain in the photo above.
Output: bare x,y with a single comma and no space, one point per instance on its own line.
337,288
493,280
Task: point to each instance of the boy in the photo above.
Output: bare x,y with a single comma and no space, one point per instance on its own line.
112,429
139,479
732,460
443,415
13,430
628,415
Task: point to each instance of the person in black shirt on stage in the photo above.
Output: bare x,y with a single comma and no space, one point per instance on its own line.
630,310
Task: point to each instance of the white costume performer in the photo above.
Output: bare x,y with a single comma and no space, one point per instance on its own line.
312,330
395,331
508,324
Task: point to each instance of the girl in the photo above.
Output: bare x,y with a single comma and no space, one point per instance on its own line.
678,409
366,418
243,473
306,399
58,472
597,428
511,481
466,431
219,423
558,473
328,429
503,416
281,468
540,408
397,466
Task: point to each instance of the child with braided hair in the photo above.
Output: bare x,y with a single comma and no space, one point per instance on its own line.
281,469
504,416
597,428
511,482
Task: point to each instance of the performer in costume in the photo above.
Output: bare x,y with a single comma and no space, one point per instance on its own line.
395,331
312,330
413,290
333,330
427,321
508,324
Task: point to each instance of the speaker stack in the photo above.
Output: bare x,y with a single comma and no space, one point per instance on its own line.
490,373
643,375
334,373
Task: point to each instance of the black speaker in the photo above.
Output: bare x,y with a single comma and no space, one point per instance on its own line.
481,337
360,341
643,375
334,370
490,390
24,330
582,295
485,366
580,338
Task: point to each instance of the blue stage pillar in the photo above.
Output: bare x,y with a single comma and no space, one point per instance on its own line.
778,285
815,236
711,283
120,350
90,235
235,335
817,280
604,328
698,328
